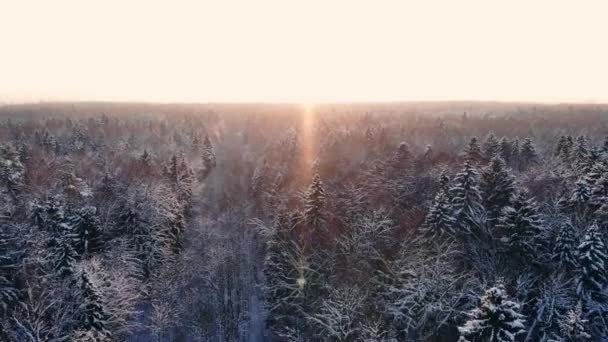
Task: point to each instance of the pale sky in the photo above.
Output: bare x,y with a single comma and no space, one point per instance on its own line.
303,51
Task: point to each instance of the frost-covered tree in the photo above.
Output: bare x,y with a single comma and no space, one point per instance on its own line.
465,194
439,222
314,203
91,315
573,327
9,258
527,154
473,151
497,187
592,261
491,146
505,150
208,158
521,228
565,248
496,319
84,231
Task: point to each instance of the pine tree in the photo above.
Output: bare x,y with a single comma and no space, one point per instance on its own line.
439,222
505,150
592,260
291,288
84,231
521,228
560,148
465,194
605,145
145,163
314,203
496,319
472,151
573,326
491,147
92,315
63,257
208,157
9,257
599,191
527,155
497,187
580,153
565,249
515,153
402,158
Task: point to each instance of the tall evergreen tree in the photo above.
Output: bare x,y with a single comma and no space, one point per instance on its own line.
592,263
439,222
491,147
91,316
84,231
473,151
496,319
208,158
521,228
527,155
505,150
314,203
565,249
465,194
9,257
497,187
573,326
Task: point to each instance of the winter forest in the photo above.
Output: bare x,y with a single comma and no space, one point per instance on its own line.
275,222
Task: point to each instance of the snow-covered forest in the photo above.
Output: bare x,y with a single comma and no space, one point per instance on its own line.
380,222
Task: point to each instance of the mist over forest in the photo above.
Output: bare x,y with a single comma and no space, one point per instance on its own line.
421,221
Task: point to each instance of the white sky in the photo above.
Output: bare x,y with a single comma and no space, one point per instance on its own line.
306,50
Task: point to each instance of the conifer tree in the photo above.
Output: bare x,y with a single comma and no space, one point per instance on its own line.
592,260
63,257
521,228
561,146
527,155
565,249
439,222
208,158
573,326
91,315
84,231
599,191
496,319
505,150
314,203
472,151
497,187
491,146
465,193
580,153
9,256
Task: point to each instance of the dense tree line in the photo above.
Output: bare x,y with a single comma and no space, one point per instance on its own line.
363,223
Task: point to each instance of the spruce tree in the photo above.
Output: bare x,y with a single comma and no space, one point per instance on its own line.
91,315
9,257
465,194
314,203
472,151
565,249
592,260
573,328
527,155
521,228
497,187
84,231
491,147
208,158
505,150
439,222
496,319
561,146
63,257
